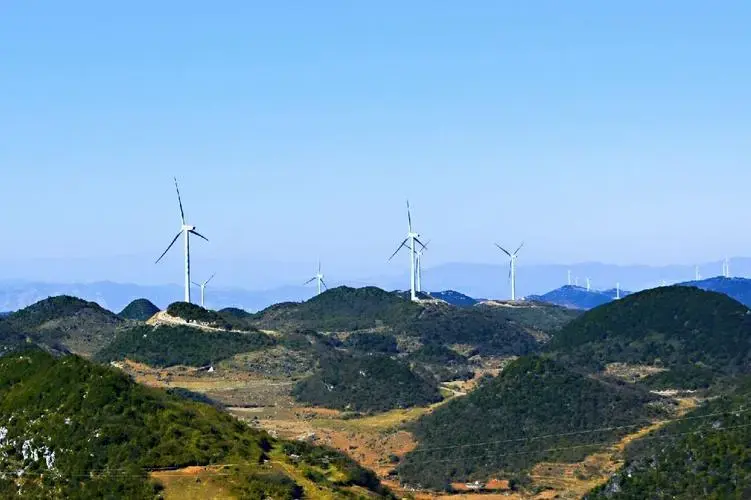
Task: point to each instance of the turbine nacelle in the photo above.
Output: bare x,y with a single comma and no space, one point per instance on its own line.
187,227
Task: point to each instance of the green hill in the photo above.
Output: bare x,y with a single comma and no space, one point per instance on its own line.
495,330
165,345
704,455
669,326
341,308
139,310
365,383
63,323
72,429
514,421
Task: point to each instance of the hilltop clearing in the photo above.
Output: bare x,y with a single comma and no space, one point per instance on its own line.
70,428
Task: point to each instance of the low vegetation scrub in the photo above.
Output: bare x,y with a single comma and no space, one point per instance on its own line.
163,345
372,342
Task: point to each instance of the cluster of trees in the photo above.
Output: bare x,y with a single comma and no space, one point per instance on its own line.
194,313
366,383
139,310
164,345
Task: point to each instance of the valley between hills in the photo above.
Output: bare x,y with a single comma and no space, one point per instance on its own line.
493,400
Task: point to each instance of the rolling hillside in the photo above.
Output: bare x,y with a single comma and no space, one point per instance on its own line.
167,345
139,310
73,429
667,326
493,329
64,323
704,455
497,427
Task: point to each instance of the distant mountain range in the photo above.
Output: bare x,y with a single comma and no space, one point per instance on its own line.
471,281
575,297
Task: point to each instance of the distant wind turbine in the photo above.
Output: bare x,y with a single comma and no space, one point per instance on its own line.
412,238
418,266
576,281
588,284
569,277
697,276
617,291
202,286
186,230
512,267
318,278
726,267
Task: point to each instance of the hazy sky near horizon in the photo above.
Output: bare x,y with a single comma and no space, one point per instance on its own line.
608,131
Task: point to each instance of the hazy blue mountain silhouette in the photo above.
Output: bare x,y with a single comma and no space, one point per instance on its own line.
575,297
736,288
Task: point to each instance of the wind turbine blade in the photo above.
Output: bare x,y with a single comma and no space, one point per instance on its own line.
404,243
503,249
199,235
207,281
319,266
170,246
421,244
324,284
180,201
196,284
310,280
409,217
520,247
425,246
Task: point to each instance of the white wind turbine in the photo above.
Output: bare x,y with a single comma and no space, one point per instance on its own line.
412,238
418,265
512,267
588,285
202,286
186,230
318,278
697,276
726,268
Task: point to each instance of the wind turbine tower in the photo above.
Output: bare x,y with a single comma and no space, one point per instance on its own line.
569,277
318,278
697,276
412,238
186,230
588,284
617,291
726,267
418,266
512,267
202,286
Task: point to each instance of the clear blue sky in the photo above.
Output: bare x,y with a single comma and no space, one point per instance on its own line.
610,131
